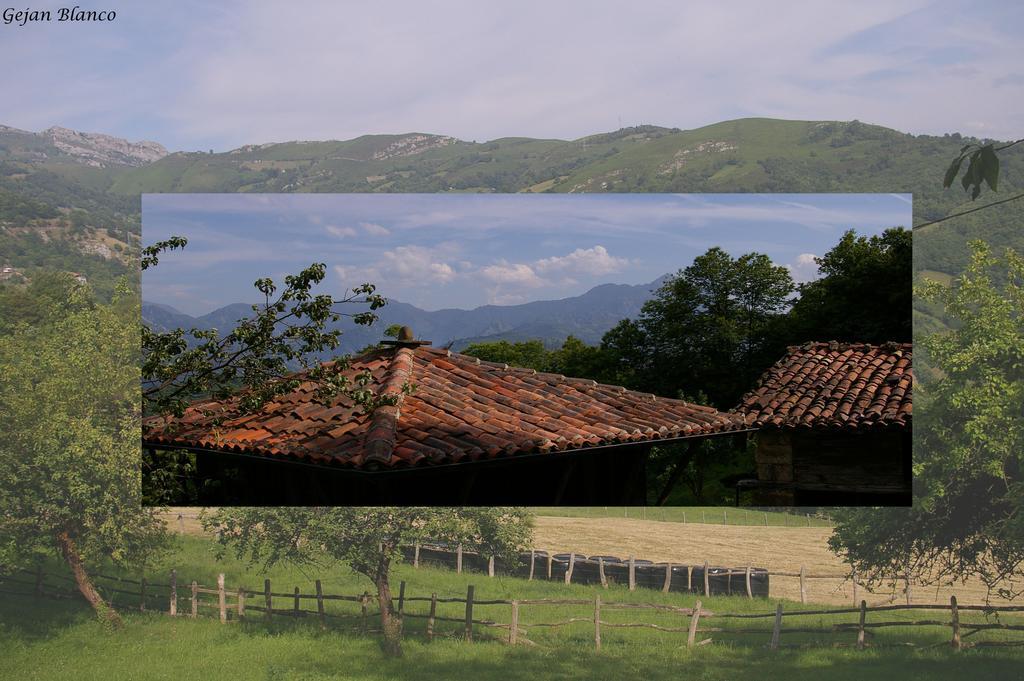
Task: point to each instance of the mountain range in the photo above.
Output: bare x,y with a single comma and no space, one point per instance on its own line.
587,316
48,177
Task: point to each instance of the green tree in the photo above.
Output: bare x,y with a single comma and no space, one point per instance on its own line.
368,540
968,512
710,327
48,294
527,354
576,358
259,357
69,455
858,269
267,354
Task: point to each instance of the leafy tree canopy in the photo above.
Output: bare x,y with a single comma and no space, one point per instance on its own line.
864,293
968,513
69,457
710,327
368,540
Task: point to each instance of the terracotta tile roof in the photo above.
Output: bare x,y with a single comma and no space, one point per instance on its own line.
462,409
833,385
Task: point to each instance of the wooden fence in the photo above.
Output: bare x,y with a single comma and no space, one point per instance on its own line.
706,580
237,604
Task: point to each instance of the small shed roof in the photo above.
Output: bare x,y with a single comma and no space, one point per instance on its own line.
834,385
462,409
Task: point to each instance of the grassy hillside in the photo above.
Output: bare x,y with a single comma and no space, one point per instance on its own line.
45,639
747,155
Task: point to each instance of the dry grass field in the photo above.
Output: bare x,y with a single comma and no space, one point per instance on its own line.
775,548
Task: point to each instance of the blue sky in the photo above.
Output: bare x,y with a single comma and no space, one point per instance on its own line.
198,75
465,250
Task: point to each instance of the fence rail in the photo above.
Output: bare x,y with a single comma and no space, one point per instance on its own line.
705,579
232,605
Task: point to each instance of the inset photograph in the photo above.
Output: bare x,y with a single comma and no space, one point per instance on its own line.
527,349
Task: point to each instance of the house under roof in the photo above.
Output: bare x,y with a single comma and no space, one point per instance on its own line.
469,431
835,424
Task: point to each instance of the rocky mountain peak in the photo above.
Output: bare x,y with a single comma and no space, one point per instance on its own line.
100,150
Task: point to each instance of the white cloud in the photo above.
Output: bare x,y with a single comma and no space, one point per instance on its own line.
401,266
517,274
340,232
193,76
373,229
804,268
594,260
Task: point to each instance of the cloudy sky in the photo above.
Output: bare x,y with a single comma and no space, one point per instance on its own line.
198,75
464,250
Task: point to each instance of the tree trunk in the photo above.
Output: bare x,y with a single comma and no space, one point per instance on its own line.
69,550
390,624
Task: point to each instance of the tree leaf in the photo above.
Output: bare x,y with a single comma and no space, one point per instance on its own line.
952,171
990,166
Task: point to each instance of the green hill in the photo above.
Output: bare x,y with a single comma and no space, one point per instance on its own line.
747,155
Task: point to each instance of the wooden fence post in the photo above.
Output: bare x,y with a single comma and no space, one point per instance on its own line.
632,574
269,612
416,556
597,622
550,561
458,560
533,559
694,618
854,577
955,623
777,629
240,603
803,584
707,580
195,599
222,602
296,606
689,578
600,573
668,578
513,629
490,566
430,617
363,603
469,613
568,570
750,592
321,611
142,594
401,598
173,606
38,590
860,627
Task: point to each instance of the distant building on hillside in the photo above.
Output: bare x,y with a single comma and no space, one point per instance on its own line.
834,426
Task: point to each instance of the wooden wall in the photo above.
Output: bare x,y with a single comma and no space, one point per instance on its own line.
831,468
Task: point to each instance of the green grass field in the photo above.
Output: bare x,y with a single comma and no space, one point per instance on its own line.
45,639
711,515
